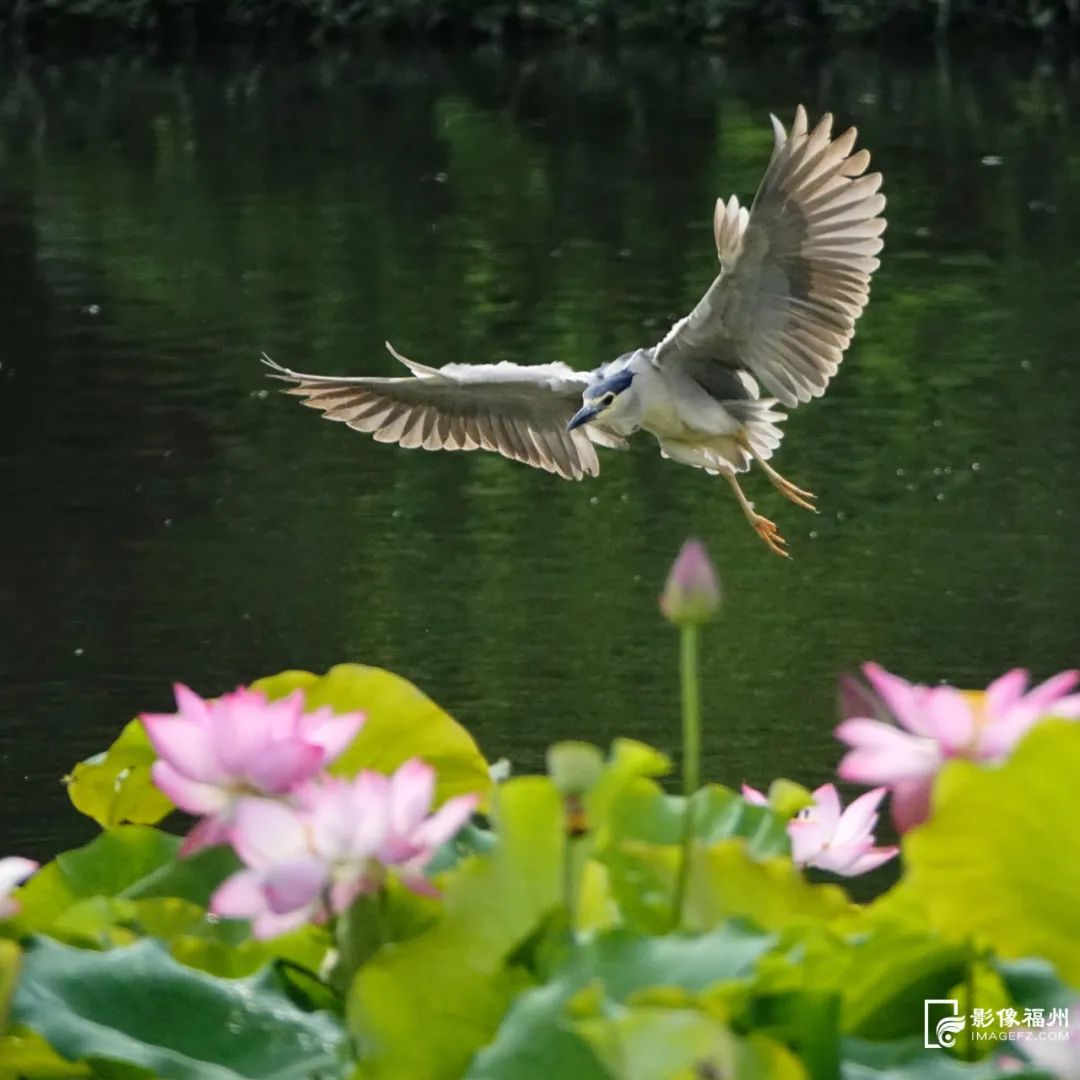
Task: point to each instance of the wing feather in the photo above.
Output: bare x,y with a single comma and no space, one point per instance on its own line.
795,271
516,411
368,419
503,436
393,427
443,435
527,448
413,434
491,434
551,450
472,434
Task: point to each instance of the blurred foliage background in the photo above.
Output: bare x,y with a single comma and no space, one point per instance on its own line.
672,19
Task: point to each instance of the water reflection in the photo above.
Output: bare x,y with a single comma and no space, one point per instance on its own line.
165,517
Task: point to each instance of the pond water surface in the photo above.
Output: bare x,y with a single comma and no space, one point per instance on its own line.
164,517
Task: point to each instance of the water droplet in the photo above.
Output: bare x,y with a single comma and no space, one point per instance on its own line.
167,522
899,472
395,513
79,651
260,393
937,423
975,466
937,471
625,253
440,178
92,309
1025,365
813,534
947,470
839,515
940,496
594,499
991,160
624,497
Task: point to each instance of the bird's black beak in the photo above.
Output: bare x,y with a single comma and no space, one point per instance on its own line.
582,416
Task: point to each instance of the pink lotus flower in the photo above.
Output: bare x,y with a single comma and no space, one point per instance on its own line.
13,871
843,842
412,836
300,859
753,796
934,724
213,753
824,837
314,858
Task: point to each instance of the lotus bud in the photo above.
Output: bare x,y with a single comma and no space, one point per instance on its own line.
691,595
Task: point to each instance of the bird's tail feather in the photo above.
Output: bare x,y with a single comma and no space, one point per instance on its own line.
761,422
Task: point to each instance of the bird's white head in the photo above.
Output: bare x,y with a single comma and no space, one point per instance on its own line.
608,401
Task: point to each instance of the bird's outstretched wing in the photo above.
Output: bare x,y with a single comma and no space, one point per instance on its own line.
795,270
517,411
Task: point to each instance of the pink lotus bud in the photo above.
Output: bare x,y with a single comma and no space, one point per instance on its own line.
691,594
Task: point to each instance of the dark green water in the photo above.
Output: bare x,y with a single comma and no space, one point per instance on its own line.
164,517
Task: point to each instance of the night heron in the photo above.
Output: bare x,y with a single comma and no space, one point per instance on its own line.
794,278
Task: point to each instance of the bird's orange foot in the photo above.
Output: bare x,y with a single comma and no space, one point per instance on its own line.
769,533
797,495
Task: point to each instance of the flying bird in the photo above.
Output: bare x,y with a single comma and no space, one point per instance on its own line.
794,277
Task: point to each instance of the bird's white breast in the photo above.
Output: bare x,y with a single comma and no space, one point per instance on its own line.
673,406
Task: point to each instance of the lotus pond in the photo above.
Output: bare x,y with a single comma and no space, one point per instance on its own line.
362,888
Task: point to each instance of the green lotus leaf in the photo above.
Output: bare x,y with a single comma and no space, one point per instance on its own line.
130,862
115,787
402,723
1000,856
650,1043
536,1041
725,882
423,1007
139,1007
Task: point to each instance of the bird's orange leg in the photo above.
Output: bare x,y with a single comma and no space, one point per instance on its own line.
786,488
761,525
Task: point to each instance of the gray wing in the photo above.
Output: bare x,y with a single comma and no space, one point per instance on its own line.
795,270
517,411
